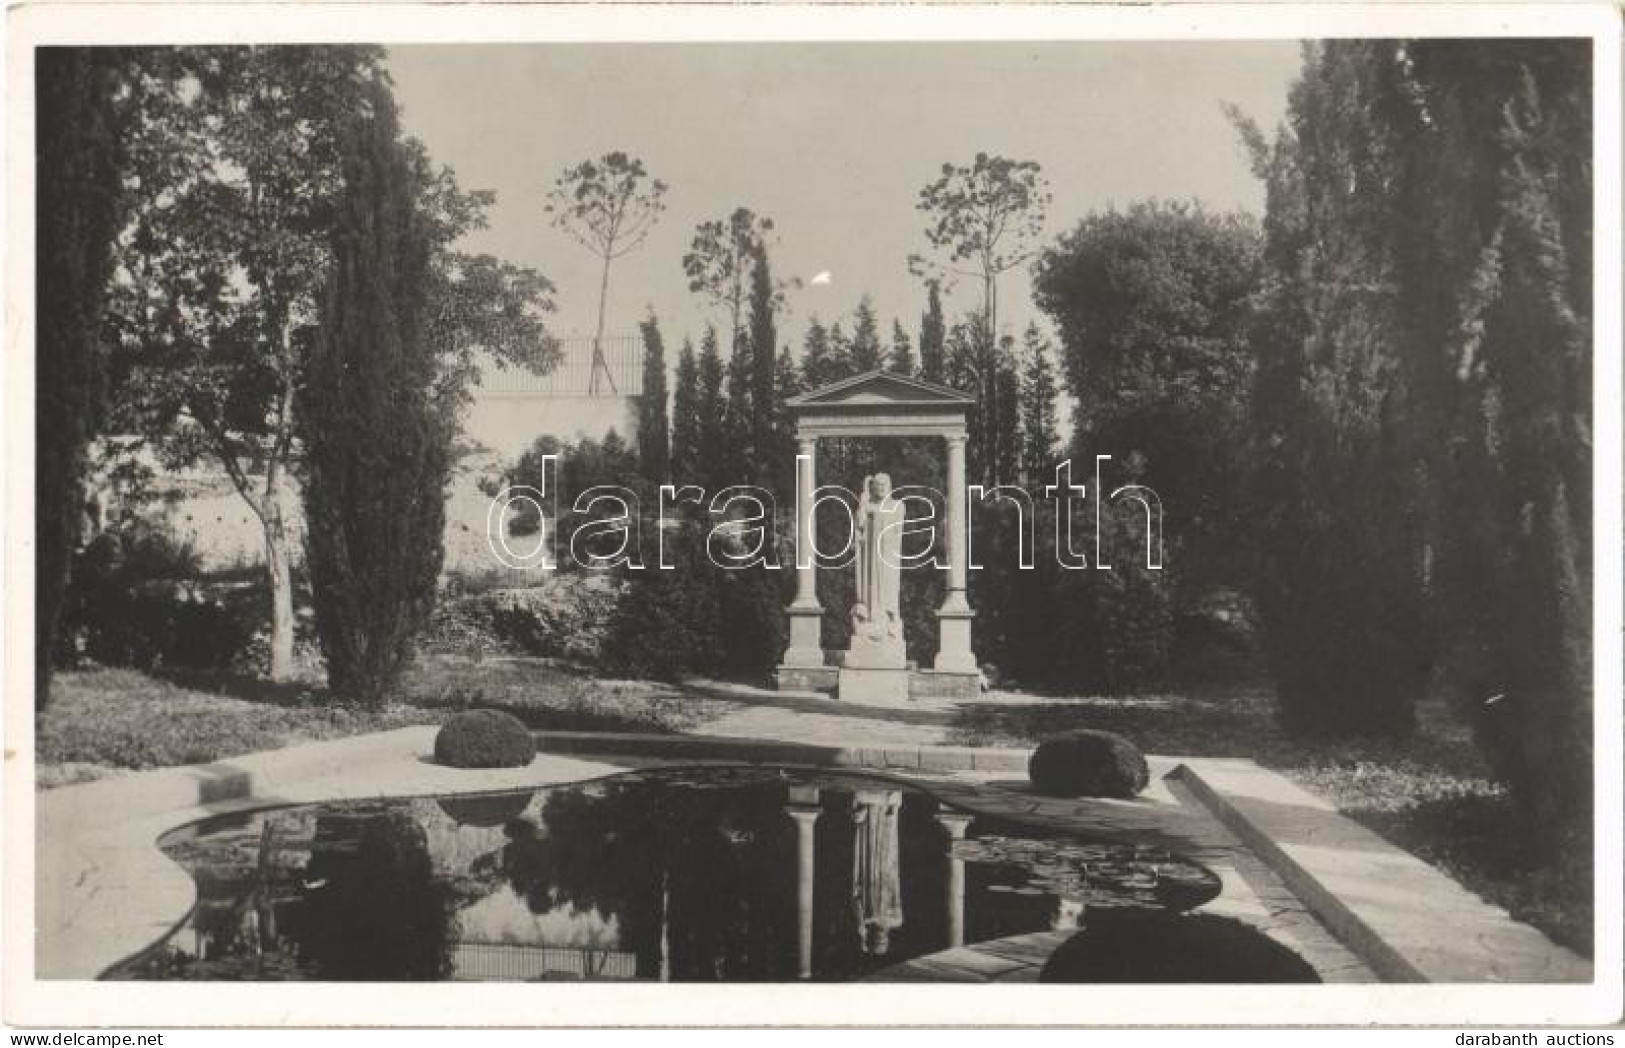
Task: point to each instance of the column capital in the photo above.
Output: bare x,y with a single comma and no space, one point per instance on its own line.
956,438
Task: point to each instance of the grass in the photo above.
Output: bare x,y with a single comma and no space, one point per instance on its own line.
105,720
1431,795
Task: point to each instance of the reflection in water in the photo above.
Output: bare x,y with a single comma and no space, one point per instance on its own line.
877,891
684,875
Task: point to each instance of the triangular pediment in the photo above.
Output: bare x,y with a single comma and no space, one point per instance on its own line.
881,388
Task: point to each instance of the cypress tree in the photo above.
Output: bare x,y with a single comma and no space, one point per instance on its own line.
933,336
1039,436
654,442
376,437
685,417
77,216
901,360
712,445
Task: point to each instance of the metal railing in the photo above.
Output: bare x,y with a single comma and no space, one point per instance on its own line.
616,371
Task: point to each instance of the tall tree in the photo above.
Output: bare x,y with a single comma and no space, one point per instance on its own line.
1467,235
818,363
685,417
608,206
234,173
1339,572
901,357
377,438
984,219
654,439
713,449
1152,305
866,351
78,210
933,334
766,407
721,262
1040,438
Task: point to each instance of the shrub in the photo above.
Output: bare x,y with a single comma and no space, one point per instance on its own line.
132,603
484,739
1088,763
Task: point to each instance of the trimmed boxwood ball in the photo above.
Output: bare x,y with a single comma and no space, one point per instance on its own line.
1088,763
484,739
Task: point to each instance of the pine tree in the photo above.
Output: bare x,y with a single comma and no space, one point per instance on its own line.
738,412
77,215
1039,436
713,457
654,438
901,360
933,334
841,362
376,438
685,417
866,351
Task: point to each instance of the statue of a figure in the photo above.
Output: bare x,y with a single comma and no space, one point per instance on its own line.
875,616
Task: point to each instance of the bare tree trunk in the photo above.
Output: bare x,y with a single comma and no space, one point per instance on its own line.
598,361
278,577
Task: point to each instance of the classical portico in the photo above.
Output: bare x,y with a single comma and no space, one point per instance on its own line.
880,404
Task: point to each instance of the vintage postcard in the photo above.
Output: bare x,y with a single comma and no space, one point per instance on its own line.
812,515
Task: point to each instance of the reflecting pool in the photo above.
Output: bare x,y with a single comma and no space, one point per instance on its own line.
696,874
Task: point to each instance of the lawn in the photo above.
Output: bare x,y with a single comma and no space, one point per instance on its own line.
103,720
1432,796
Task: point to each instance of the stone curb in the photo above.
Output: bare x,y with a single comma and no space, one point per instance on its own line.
126,797
772,751
1406,920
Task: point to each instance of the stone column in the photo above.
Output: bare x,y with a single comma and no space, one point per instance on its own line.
954,823
953,618
806,648
805,811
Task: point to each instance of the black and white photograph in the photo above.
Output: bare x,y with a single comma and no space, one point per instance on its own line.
927,516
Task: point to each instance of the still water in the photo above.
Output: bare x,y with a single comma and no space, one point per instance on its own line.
698,874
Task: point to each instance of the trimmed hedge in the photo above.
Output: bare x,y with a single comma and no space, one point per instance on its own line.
484,739
1088,763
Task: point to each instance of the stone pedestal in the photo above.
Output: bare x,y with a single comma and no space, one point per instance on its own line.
954,653
870,685
806,650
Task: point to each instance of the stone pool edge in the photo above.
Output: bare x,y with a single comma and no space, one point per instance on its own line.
1366,891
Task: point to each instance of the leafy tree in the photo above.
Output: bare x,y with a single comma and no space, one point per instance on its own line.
685,417
933,332
901,359
1152,308
377,438
1040,438
234,175
78,210
654,443
608,206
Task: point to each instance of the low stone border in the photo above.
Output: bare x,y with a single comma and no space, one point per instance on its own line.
765,751
1404,918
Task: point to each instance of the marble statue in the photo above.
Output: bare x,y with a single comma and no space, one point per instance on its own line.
877,622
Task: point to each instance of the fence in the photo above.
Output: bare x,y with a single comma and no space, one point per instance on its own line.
618,371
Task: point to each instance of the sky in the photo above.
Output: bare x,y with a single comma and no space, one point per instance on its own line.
834,143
